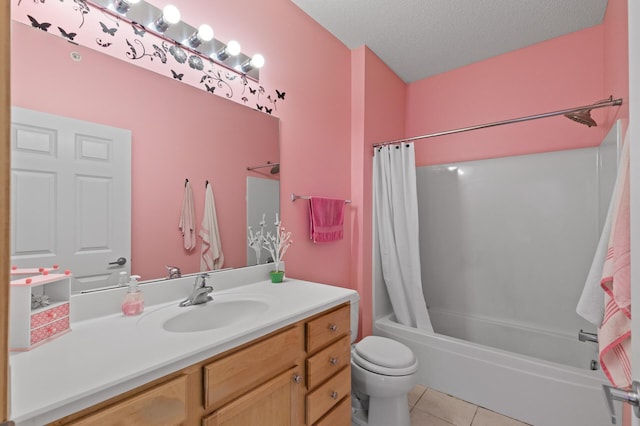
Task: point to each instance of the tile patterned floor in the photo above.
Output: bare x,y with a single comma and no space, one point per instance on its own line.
432,408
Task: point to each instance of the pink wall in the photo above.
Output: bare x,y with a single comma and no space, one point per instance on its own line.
556,74
378,99
178,132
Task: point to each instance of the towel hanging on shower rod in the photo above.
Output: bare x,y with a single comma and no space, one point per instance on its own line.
569,113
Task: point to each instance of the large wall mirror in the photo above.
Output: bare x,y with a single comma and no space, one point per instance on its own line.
177,132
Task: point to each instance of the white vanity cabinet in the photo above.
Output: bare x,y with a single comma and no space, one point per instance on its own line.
31,327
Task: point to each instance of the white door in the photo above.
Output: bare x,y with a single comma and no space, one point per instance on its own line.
70,197
634,175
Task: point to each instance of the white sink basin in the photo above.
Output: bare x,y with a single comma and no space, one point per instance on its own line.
214,315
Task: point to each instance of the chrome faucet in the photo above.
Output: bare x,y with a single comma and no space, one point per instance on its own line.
200,293
173,272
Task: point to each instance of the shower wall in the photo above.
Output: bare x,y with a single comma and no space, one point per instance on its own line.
510,240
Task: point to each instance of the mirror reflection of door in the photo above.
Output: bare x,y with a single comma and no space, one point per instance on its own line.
70,197
263,197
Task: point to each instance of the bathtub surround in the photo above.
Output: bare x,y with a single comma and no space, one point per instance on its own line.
396,218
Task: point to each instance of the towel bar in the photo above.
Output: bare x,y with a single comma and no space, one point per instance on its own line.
307,197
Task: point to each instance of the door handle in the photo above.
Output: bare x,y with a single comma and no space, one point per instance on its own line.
121,261
632,397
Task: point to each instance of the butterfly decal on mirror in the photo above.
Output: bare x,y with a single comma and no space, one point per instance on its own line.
44,26
176,75
68,36
138,29
110,31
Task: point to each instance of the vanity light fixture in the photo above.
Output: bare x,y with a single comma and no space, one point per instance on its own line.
166,24
257,61
231,49
204,33
122,6
170,15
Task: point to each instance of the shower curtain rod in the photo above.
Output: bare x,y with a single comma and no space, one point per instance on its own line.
601,104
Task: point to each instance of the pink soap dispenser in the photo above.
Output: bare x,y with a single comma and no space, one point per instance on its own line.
133,303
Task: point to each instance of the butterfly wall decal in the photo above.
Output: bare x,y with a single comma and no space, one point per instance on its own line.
176,75
210,89
68,36
110,31
280,94
268,110
260,107
138,29
253,91
41,26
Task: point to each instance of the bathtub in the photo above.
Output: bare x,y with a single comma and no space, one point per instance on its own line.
535,391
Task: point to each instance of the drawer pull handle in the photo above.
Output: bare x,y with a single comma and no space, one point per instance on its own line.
334,395
297,378
333,327
333,361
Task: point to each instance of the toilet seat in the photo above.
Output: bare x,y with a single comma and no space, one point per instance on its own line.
384,356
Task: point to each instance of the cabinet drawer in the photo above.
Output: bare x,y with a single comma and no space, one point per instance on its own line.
339,416
235,374
49,315
164,404
328,361
327,328
46,331
322,399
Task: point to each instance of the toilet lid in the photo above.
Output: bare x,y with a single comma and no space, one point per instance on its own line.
385,356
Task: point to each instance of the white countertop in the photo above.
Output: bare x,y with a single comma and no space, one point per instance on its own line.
105,356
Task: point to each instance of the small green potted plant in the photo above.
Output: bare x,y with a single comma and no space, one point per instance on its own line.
277,245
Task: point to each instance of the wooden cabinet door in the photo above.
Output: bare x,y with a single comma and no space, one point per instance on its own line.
274,403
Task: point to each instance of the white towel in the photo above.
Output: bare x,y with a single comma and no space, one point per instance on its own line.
591,303
188,219
211,256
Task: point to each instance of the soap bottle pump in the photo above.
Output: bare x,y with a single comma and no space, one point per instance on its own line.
133,303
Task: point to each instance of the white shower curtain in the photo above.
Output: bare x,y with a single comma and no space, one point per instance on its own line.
396,217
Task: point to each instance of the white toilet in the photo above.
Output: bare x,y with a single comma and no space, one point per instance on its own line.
382,373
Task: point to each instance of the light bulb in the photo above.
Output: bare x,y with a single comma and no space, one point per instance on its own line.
257,61
233,48
171,14
122,6
205,32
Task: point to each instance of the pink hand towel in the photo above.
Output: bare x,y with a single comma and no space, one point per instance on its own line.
326,219
614,335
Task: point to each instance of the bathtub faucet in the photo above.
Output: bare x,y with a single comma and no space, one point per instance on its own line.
583,336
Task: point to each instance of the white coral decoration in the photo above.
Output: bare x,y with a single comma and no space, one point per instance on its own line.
277,244
256,240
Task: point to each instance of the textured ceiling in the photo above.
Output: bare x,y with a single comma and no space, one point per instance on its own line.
421,38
